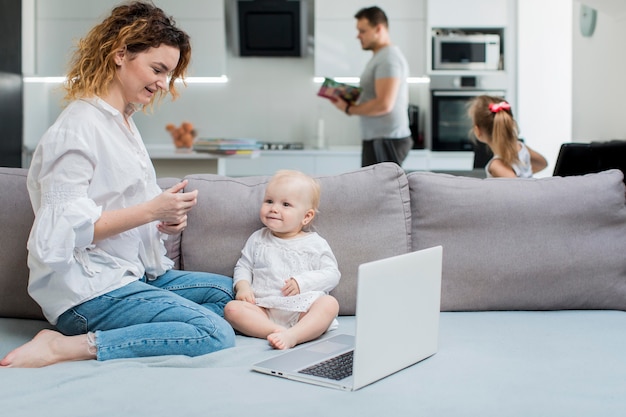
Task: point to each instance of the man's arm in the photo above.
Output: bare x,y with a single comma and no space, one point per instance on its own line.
386,93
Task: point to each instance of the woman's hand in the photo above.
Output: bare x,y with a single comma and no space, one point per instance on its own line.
172,229
171,208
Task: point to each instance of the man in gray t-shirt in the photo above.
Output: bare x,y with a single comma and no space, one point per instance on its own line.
383,104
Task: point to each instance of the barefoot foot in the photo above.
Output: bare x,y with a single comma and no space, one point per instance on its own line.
46,348
283,339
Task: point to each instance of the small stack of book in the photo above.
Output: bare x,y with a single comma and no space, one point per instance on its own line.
221,146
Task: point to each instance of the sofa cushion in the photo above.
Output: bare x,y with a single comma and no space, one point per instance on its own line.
525,244
16,220
364,215
172,243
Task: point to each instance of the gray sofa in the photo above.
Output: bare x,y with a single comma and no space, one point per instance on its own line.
533,300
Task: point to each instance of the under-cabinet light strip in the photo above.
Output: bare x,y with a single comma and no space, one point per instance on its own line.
189,80
356,80
224,79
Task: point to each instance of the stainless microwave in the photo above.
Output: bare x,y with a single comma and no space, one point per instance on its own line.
466,52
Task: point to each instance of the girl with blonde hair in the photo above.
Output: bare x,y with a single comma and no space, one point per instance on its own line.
494,125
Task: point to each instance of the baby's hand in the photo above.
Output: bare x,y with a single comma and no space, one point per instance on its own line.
291,287
246,295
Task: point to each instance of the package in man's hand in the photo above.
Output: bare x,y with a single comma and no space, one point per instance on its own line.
333,90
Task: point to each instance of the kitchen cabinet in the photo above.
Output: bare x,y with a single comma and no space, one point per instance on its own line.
346,9
338,52
487,16
60,23
468,13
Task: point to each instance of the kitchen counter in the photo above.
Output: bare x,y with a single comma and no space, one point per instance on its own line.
169,161
334,160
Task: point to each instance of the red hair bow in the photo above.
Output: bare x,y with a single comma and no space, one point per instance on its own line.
496,107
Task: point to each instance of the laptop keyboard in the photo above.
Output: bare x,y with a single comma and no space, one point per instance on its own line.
336,368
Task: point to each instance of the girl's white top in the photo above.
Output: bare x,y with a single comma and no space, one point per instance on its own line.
523,169
267,262
86,163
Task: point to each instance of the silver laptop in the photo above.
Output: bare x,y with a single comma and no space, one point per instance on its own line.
397,325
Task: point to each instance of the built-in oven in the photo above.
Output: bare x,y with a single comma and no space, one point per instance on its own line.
450,122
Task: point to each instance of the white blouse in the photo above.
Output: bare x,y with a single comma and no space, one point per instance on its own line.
267,262
86,163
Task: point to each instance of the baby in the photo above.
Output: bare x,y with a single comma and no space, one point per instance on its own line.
285,271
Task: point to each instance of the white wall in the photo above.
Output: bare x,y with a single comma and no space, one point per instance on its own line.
570,88
270,99
598,75
544,56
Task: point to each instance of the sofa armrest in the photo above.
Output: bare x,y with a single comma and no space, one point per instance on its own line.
16,220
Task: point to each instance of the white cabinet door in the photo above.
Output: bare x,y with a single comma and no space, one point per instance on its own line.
338,52
208,46
467,13
74,9
54,43
410,36
203,20
346,9
59,24
332,9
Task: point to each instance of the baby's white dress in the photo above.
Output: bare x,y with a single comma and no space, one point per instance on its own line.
267,262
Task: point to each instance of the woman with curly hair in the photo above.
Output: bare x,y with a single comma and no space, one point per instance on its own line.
96,255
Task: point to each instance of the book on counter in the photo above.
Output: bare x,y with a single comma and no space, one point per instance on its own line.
227,147
333,90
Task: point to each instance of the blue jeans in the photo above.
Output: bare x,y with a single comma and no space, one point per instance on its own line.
179,313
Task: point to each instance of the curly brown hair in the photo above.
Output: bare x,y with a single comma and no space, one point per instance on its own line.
135,27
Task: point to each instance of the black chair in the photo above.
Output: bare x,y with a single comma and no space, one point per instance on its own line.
482,155
585,158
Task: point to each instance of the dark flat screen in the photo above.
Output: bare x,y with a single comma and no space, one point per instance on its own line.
269,31
270,28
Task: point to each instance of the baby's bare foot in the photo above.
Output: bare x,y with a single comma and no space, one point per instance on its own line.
282,340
